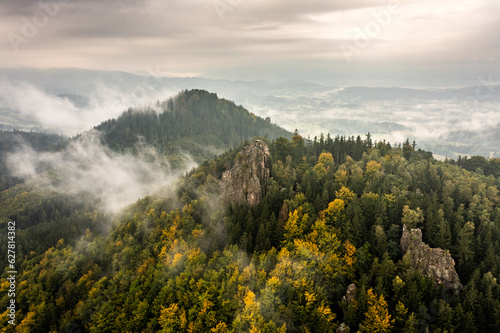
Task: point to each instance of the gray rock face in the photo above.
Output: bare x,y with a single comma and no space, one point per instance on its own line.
351,293
343,328
435,262
246,181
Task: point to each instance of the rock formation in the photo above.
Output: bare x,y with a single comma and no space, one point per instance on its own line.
343,328
351,294
246,181
435,262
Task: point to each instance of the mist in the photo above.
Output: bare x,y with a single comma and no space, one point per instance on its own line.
449,121
60,113
87,169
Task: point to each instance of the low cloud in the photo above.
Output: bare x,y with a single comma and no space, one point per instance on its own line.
61,115
86,168
50,111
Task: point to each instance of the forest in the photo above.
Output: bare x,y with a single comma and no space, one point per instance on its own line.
192,264
194,121
320,252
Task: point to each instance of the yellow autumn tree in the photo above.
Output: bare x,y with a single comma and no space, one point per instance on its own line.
372,168
345,194
377,318
27,323
250,320
334,212
341,176
412,218
401,313
325,162
173,318
220,328
349,257
294,227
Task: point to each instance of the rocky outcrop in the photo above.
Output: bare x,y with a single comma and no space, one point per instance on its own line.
343,328
350,294
435,262
246,181
349,298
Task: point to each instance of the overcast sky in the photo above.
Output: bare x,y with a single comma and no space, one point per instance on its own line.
256,39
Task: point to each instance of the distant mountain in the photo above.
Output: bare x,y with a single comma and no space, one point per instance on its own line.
394,93
348,126
480,92
485,143
77,100
85,82
194,121
437,118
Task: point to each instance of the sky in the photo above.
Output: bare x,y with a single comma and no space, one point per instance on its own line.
314,40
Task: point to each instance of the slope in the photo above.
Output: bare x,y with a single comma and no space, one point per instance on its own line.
285,264
194,121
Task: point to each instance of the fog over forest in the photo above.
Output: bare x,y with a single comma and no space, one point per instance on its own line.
448,121
234,166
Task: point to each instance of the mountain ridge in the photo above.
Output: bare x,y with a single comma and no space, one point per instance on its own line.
191,121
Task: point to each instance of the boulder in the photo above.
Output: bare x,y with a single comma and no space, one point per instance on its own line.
343,328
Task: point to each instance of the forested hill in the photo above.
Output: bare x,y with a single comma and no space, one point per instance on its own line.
194,121
323,229
273,236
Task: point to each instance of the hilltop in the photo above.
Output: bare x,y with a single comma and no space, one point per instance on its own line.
195,121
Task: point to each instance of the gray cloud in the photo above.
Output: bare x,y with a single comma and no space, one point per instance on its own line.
221,36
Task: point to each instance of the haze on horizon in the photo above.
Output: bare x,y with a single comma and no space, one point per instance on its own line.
370,42
339,44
